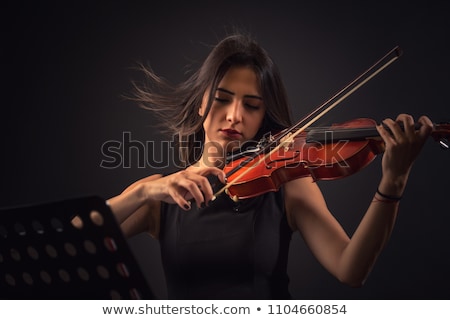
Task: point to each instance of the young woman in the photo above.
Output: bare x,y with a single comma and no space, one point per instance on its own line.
214,248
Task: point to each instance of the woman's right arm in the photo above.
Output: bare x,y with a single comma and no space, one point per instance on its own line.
137,208
134,211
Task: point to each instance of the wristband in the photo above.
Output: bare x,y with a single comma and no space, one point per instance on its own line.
392,198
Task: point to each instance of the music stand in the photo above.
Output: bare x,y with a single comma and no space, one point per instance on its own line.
45,255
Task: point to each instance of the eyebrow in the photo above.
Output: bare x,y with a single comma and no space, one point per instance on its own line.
245,96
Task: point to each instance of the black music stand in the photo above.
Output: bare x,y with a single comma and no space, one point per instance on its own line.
44,254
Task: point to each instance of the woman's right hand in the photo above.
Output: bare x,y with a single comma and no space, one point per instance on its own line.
180,188
186,185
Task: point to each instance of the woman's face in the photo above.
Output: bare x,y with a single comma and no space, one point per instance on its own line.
237,111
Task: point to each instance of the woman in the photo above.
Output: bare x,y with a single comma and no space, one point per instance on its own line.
214,248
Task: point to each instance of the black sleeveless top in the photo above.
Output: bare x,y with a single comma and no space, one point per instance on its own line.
227,250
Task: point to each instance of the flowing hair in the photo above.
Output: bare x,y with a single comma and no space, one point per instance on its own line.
177,106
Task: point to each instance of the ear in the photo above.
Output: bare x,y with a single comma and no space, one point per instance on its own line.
200,111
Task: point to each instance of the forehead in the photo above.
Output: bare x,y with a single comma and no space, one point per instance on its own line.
240,78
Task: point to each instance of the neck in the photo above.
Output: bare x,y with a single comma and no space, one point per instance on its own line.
211,160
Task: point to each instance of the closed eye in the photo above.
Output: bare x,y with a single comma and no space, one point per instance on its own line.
221,99
250,106
247,105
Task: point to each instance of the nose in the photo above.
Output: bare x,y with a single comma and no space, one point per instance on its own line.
234,112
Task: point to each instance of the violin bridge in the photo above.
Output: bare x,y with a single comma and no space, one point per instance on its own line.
286,141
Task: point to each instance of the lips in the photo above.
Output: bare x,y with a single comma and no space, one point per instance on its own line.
231,133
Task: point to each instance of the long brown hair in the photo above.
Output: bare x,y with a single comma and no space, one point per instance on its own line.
177,105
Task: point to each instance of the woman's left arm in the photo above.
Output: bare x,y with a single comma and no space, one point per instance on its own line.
351,259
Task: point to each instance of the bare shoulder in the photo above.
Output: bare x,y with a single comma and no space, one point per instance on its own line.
303,198
303,190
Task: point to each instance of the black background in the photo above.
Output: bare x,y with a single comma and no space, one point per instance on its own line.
65,69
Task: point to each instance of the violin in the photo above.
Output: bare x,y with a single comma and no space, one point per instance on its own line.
323,153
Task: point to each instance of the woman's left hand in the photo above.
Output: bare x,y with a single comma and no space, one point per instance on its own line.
402,148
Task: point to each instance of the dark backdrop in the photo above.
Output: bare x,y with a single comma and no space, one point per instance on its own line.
66,67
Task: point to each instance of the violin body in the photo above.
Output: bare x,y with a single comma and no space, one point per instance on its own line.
324,154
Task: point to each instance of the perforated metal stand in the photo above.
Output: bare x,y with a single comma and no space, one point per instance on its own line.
47,254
